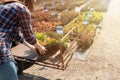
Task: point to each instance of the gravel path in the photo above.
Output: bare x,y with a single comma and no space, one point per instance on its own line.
103,61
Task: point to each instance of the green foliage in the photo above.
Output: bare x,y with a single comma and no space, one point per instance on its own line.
87,32
54,35
86,36
50,38
40,36
97,17
51,41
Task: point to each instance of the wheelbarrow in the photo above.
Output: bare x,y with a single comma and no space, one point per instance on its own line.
58,59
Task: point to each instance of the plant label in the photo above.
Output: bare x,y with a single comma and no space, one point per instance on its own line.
91,9
63,2
59,29
77,9
89,14
59,16
53,12
85,22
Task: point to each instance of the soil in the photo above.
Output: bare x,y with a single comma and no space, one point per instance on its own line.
103,61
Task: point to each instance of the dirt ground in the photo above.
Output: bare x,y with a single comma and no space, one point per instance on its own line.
103,61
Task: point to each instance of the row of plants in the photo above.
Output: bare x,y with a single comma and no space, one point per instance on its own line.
68,4
44,21
86,32
49,10
91,16
67,16
45,26
40,16
47,20
58,5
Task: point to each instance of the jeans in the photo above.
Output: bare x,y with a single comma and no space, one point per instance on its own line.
8,71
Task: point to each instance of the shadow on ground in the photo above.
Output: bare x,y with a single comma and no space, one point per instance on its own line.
26,76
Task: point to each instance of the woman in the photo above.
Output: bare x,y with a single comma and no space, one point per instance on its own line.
15,24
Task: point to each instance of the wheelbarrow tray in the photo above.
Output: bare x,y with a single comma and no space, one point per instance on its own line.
22,56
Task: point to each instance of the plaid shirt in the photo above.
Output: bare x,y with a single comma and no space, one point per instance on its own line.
15,24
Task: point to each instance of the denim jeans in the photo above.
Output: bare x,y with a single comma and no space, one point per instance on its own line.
8,71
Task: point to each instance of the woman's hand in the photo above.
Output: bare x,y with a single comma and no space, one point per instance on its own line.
37,48
40,49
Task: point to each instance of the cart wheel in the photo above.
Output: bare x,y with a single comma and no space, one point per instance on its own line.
22,65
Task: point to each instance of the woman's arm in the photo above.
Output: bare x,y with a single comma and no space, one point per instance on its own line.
26,29
37,48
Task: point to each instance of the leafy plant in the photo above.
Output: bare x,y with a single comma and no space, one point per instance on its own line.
40,36
45,26
97,17
51,41
54,35
86,36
